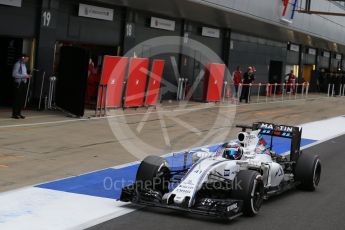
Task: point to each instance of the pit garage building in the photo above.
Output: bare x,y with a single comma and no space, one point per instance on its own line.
258,33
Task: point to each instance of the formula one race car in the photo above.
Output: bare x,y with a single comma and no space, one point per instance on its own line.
230,182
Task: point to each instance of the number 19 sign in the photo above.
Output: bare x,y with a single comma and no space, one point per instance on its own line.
47,18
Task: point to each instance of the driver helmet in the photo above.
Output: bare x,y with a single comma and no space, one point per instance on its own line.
233,151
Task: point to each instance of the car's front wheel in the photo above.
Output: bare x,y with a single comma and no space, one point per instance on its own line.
249,187
153,173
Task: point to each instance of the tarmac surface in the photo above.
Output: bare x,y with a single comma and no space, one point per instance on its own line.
49,146
322,209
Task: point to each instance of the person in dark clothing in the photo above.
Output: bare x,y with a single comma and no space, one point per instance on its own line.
342,83
337,83
20,75
321,81
248,78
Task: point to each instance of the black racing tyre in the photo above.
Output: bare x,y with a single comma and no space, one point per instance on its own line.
308,172
153,173
250,189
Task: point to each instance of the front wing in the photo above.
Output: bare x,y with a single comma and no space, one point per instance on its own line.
223,208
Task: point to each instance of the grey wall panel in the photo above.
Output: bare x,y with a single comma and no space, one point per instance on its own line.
215,44
144,32
71,27
335,64
292,58
194,67
19,22
323,62
309,59
257,52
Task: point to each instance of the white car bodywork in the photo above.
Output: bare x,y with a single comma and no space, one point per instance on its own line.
206,164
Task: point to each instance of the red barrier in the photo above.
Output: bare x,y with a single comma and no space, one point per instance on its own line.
111,85
136,84
214,82
152,93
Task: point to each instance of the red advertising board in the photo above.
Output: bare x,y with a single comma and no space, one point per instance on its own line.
214,78
111,85
136,83
152,94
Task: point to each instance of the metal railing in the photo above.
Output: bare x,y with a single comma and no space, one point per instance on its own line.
266,92
51,93
182,89
336,90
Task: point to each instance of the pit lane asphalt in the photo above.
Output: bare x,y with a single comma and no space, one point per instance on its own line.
322,209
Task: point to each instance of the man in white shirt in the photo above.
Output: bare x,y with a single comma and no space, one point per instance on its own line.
20,75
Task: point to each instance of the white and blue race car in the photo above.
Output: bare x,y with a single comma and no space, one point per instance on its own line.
233,181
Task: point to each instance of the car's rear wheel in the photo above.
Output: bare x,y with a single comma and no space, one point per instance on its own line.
249,188
153,173
308,172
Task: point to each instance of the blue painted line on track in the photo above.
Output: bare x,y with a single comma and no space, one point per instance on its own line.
108,183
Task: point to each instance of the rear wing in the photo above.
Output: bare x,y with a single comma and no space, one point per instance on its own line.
284,131
276,130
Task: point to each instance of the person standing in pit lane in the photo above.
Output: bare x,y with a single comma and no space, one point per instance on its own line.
91,91
248,78
237,79
20,75
291,81
337,83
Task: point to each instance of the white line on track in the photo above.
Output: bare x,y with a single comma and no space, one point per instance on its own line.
29,118
114,116
207,106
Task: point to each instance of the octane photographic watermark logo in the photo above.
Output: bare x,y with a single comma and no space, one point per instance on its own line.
174,125
115,185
